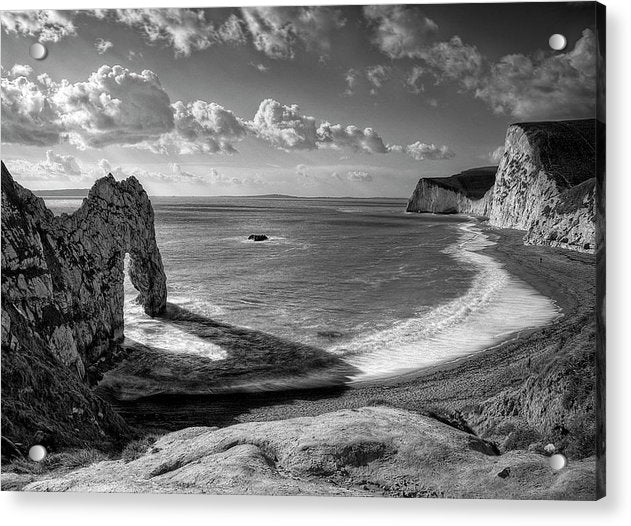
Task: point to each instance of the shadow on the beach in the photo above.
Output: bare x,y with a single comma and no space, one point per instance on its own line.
154,387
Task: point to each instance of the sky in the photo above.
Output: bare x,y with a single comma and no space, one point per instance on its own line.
310,101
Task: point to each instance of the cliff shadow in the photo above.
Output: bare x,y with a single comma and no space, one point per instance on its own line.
157,387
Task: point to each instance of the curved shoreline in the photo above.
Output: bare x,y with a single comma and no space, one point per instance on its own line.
498,307
564,276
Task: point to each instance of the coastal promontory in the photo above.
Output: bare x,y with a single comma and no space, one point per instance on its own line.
545,185
62,306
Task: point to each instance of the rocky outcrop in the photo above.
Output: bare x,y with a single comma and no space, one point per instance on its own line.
62,303
469,192
545,183
257,237
374,451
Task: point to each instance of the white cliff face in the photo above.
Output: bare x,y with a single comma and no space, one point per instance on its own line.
428,197
545,184
470,192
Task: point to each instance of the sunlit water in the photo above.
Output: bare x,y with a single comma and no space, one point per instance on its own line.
387,291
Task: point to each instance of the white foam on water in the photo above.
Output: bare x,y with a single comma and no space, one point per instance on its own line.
155,332
495,306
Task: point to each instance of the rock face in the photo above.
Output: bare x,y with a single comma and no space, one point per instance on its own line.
469,192
546,183
62,301
362,452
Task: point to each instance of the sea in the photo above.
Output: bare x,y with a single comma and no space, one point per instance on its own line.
387,291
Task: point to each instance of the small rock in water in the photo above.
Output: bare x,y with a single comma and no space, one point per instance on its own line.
505,473
258,237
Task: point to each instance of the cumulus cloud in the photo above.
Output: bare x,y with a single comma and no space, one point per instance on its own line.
28,116
428,152
277,31
400,31
106,167
45,25
102,46
19,70
58,167
66,164
114,106
358,176
199,127
338,136
546,85
284,127
215,177
174,174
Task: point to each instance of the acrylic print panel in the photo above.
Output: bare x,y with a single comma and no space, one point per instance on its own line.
349,250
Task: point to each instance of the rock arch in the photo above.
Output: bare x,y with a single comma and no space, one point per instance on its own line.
63,275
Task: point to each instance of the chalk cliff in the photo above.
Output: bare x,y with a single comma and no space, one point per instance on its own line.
62,304
469,192
545,185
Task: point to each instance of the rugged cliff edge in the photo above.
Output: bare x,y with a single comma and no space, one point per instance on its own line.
545,185
62,306
469,192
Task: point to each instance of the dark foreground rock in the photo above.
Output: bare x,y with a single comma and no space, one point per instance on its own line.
62,306
258,237
369,451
